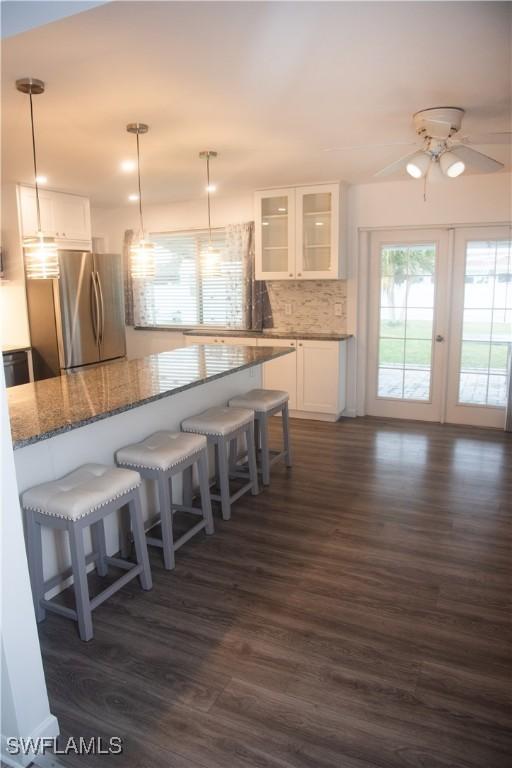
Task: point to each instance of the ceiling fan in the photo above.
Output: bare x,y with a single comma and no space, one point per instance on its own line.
442,143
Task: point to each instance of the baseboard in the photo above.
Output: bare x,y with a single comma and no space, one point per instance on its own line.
48,728
312,416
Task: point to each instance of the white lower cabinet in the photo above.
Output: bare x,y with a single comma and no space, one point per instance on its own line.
318,377
314,377
281,373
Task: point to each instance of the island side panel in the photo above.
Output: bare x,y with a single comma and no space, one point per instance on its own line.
97,442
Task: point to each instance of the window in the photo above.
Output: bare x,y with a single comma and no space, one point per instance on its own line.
487,325
407,280
190,289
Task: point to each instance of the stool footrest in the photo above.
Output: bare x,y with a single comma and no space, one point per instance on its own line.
188,535
234,496
60,577
126,565
61,610
118,583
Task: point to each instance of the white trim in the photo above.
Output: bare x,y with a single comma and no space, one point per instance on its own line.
48,728
455,225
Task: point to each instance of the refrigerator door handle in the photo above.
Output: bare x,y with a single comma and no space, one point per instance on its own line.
102,308
95,308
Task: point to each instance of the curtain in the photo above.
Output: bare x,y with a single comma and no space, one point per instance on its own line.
240,243
128,282
508,420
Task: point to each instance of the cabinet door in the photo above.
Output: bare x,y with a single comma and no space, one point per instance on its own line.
281,373
275,234
28,212
317,221
318,369
71,217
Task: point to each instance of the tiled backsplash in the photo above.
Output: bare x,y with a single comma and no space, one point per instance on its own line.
312,303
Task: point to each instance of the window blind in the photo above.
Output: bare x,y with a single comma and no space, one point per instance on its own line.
189,288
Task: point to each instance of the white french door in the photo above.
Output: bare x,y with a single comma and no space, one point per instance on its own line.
481,327
440,325
407,324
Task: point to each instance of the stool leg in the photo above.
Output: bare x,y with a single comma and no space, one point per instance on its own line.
164,498
124,533
187,486
265,453
139,540
204,485
224,478
233,454
286,436
251,459
83,605
35,563
99,547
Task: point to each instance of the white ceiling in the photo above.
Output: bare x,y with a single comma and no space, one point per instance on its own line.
268,85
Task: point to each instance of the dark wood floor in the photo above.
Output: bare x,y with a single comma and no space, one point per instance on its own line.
355,615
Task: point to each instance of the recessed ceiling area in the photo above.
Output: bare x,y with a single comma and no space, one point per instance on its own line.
270,86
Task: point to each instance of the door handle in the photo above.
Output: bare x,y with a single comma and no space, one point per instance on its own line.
95,308
439,337
102,308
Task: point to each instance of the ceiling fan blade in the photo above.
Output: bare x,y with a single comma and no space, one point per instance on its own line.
498,137
371,146
476,159
398,165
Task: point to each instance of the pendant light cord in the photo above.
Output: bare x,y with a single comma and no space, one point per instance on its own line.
140,192
208,194
35,163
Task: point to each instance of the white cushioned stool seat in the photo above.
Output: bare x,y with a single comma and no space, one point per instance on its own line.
218,421
260,399
162,450
81,492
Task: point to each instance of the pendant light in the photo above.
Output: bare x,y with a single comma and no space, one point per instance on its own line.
142,252
40,252
210,256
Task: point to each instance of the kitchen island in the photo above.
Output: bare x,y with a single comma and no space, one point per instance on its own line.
60,423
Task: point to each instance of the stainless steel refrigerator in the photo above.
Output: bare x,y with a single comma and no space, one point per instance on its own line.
77,320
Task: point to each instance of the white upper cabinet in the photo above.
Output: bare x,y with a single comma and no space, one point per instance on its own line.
300,233
65,217
275,234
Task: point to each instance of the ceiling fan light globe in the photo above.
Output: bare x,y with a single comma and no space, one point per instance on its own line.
451,165
417,165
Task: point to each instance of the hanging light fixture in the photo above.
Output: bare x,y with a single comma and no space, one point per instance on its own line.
40,252
142,252
210,256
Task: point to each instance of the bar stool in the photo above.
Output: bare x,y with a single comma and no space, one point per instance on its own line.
161,457
265,403
79,500
221,426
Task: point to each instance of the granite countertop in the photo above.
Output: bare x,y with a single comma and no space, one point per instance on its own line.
271,334
42,409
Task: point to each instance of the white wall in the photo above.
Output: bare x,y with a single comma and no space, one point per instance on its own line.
471,199
25,709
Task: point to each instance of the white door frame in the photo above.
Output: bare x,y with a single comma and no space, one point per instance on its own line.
361,270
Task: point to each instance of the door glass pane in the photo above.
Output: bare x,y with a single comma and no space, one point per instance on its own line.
406,321
316,231
274,234
487,324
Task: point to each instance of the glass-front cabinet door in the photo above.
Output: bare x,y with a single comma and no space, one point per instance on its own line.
275,234
317,247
